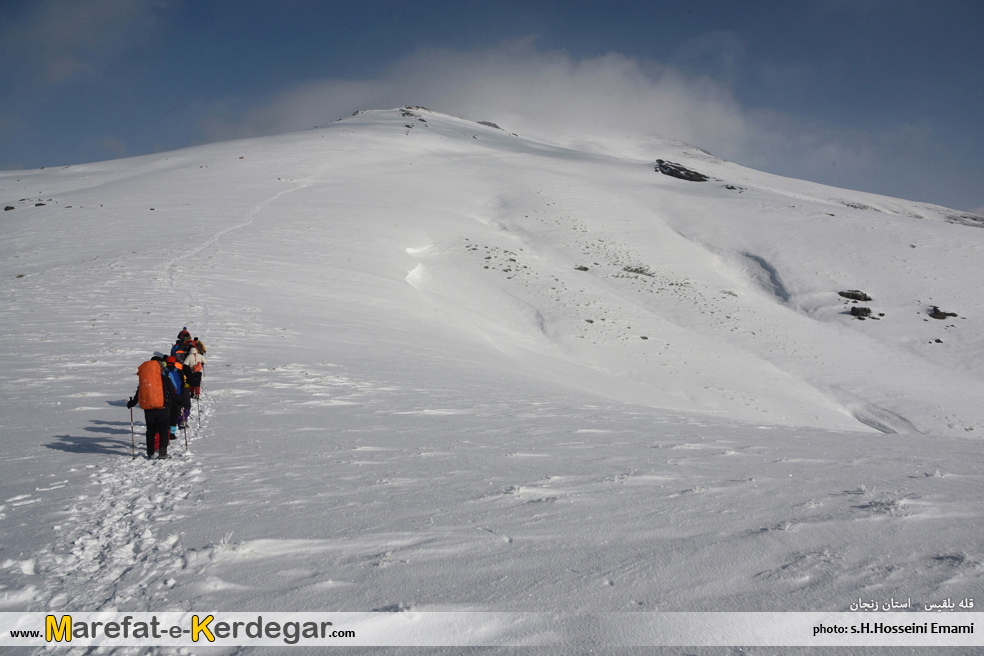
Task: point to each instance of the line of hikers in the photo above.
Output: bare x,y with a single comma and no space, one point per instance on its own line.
165,388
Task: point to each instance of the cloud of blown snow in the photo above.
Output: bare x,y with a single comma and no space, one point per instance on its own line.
613,101
547,94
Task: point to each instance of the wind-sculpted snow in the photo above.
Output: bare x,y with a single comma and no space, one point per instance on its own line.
454,368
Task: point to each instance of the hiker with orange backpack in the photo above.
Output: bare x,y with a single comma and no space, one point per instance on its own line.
155,394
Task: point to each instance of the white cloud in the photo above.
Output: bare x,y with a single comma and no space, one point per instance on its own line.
613,98
534,92
109,145
57,40
792,146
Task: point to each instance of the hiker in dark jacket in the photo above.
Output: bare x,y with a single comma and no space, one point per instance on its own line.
182,405
158,400
179,349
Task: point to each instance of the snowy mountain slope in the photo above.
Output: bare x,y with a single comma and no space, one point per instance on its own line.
456,367
732,283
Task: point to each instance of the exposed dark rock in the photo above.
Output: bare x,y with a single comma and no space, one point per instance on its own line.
409,112
8,208
581,268
858,206
679,171
39,204
489,124
861,312
937,313
19,275
972,220
855,295
642,270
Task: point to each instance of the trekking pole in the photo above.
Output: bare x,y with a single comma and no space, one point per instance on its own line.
186,436
133,445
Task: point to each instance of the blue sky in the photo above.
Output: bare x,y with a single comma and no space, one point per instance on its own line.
879,95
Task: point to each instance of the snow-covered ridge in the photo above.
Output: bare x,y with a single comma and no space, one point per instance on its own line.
433,347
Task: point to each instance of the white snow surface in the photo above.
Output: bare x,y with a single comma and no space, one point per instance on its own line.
418,399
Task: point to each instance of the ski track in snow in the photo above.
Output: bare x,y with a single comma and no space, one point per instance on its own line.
171,268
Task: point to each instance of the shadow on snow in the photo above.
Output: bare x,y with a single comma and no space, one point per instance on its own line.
100,443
